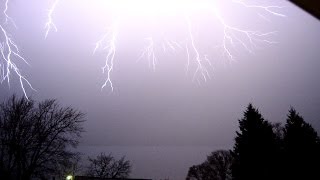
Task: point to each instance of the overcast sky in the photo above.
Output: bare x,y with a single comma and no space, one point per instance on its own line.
165,107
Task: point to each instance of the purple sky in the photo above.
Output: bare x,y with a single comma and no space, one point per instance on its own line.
165,107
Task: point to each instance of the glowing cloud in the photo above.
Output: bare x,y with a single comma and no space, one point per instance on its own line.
157,10
123,12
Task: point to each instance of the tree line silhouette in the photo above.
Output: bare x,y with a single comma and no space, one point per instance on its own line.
265,151
38,140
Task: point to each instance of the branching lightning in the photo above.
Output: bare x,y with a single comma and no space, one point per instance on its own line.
7,17
201,68
248,39
269,9
232,37
171,45
149,52
198,60
50,24
108,43
10,54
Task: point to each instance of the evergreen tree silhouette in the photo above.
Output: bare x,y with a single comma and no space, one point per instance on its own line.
301,149
255,148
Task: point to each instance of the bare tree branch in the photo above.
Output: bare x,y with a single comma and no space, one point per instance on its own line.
35,139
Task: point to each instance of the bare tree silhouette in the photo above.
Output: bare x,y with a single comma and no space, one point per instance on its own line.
35,138
216,167
106,166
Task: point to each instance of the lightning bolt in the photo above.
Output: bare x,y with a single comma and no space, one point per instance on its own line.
201,68
232,37
108,44
269,9
7,17
50,24
171,45
248,39
149,53
10,54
